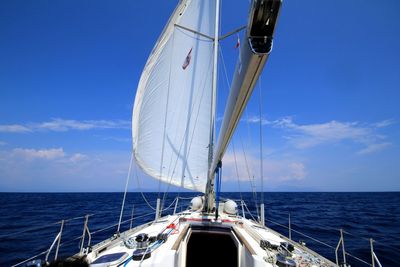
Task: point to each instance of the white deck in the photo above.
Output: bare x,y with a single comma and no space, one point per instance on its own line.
245,233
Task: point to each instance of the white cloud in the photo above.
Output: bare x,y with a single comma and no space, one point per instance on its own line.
114,138
2,143
309,135
65,125
256,119
14,128
384,123
78,157
51,154
62,125
296,171
274,170
373,148
55,169
29,154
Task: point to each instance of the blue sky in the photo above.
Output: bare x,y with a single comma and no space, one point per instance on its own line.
330,93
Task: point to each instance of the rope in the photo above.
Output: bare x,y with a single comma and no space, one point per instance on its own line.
56,223
250,180
375,241
249,211
185,198
170,205
30,229
79,217
312,238
245,158
357,258
276,223
233,144
76,238
237,171
125,221
325,244
300,233
250,175
143,196
261,143
126,189
103,229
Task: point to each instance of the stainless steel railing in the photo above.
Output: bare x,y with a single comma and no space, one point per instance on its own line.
84,249
175,205
374,259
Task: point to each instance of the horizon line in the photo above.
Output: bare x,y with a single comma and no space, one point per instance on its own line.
113,192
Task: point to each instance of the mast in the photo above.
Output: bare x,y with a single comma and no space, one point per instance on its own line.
209,193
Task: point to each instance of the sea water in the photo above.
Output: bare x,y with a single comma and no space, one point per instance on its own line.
29,222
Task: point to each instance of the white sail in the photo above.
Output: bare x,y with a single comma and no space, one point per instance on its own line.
171,115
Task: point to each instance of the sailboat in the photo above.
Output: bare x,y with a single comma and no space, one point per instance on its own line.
174,141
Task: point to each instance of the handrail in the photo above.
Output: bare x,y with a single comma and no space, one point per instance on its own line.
377,260
55,223
58,237
29,229
243,212
290,228
133,208
341,242
58,240
374,259
85,230
375,241
249,211
373,255
176,204
51,247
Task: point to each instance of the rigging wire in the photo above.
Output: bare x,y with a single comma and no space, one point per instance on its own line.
126,189
228,83
141,192
248,211
375,241
251,180
233,143
58,222
241,140
237,171
30,229
261,142
250,175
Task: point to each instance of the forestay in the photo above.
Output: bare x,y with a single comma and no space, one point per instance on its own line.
171,114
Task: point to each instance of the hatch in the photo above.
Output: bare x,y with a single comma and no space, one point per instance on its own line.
209,246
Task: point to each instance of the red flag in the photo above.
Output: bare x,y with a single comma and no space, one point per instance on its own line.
238,42
187,59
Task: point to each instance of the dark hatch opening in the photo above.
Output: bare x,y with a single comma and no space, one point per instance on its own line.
211,250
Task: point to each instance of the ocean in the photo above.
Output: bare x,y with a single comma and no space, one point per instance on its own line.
29,222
